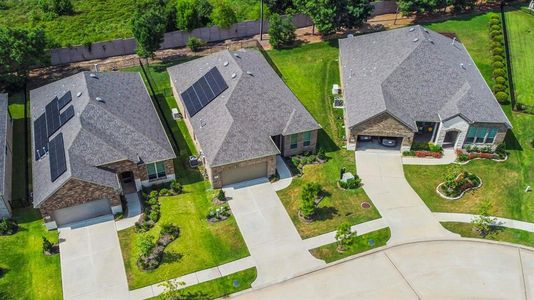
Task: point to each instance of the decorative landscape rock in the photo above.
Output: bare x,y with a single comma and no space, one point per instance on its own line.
455,188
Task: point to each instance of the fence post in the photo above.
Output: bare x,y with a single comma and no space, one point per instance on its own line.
508,60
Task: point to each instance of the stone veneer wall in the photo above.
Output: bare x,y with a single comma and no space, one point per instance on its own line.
215,173
384,125
75,192
286,144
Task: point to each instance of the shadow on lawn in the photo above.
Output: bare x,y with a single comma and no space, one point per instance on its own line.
511,141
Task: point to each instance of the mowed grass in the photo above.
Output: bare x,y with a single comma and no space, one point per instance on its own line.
309,71
29,273
16,109
509,235
201,244
504,183
361,243
521,33
93,20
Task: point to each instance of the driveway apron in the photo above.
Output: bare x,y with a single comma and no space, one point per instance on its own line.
269,233
91,261
401,208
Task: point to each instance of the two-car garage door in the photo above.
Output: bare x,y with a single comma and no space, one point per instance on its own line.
240,174
82,212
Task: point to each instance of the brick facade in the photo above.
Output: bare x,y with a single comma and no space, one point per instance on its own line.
215,173
286,144
384,125
75,192
139,171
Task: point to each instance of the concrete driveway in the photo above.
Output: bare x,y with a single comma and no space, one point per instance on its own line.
456,269
401,208
269,233
91,261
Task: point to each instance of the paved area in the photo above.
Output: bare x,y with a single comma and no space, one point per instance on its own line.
91,261
467,218
133,213
271,237
284,173
448,157
456,269
401,208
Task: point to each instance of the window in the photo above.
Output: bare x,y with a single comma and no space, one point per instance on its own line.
481,135
471,133
491,136
293,141
156,170
307,138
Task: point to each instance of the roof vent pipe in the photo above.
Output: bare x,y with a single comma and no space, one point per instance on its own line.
250,73
97,69
99,99
234,75
463,66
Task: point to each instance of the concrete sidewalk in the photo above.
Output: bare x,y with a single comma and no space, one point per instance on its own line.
134,212
467,218
449,156
284,173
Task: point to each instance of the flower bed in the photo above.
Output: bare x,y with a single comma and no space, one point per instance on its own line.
153,253
423,154
455,188
463,156
424,150
297,162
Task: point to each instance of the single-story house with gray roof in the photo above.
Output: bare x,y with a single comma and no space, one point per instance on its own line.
95,136
415,84
241,115
6,143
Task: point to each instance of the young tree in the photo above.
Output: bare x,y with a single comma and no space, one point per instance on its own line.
344,236
223,15
20,50
279,6
483,223
310,191
148,27
186,15
331,15
281,31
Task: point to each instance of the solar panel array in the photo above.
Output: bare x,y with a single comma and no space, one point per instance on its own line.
58,162
202,92
65,116
64,100
52,117
41,137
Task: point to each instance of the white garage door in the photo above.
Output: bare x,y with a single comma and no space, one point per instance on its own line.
244,173
82,212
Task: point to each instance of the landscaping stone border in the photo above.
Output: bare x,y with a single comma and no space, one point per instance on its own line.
461,194
468,161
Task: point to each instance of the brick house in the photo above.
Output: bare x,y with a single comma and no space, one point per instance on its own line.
241,115
6,139
96,136
416,85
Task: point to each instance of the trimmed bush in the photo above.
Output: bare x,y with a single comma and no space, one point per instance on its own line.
500,80
498,38
495,27
495,33
176,187
497,65
351,184
502,96
498,58
499,73
499,88
194,43
8,226
497,51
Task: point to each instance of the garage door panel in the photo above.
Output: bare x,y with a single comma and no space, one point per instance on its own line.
244,173
82,212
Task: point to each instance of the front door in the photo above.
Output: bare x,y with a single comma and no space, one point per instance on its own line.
450,139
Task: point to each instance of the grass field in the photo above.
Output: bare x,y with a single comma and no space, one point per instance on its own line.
361,244
93,21
30,274
521,34
201,244
16,109
309,71
504,183
509,235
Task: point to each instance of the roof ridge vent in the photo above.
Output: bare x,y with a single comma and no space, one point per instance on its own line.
415,40
93,75
78,94
99,99
250,73
234,75
226,63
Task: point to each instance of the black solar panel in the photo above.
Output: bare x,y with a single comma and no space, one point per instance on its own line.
64,100
52,117
58,163
66,115
40,137
202,92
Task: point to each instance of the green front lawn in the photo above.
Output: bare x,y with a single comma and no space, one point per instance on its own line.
201,245
361,244
521,32
30,274
309,71
503,183
504,234
16,109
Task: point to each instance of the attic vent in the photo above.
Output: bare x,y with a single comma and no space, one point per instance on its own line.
226,64
415,40
250,73
463,66
78,94
234,75
237,55
99,99
412,29
93,75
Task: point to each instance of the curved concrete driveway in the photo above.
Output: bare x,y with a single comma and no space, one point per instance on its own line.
401,208
455,269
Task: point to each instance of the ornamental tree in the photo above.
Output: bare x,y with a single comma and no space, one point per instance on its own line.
281,31
148,27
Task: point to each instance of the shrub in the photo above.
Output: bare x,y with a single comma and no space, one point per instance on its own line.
145,244
498,73
463,157
176,187
497,65
170,229
194,43
48,247
344,236
498,38
495,33
8,226
351,184
164,192
495,27
408,153
153,194
221,195
501,150
501,96
154,213
497,51
416,146
494,22
321,154
435,148
498,58
499,88
57,7
281,31
223,14
500,80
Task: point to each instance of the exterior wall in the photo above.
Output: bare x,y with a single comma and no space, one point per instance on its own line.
5,201
215,173
455,124
384,125
75,192
139,171
286,144
499,137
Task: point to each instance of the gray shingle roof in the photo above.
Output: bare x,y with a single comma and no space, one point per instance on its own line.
122,127
4,118
415,74
239,123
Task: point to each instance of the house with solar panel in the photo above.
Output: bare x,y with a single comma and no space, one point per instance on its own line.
416,85
96,136
6,139
241,115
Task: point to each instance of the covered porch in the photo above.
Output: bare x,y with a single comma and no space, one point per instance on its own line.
426,132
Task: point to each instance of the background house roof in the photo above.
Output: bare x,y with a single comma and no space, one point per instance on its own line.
124,126
4,118
415,74
239,123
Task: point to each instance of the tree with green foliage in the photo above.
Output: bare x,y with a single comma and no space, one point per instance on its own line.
279,6
148,27
281,31
20,51
145,244
310,192
173,290
485,225
344,237
191,14
223,15
57,7
332,15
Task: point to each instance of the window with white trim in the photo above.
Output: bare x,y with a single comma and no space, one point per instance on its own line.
156,170
307,138
491,136
481,135
293,141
